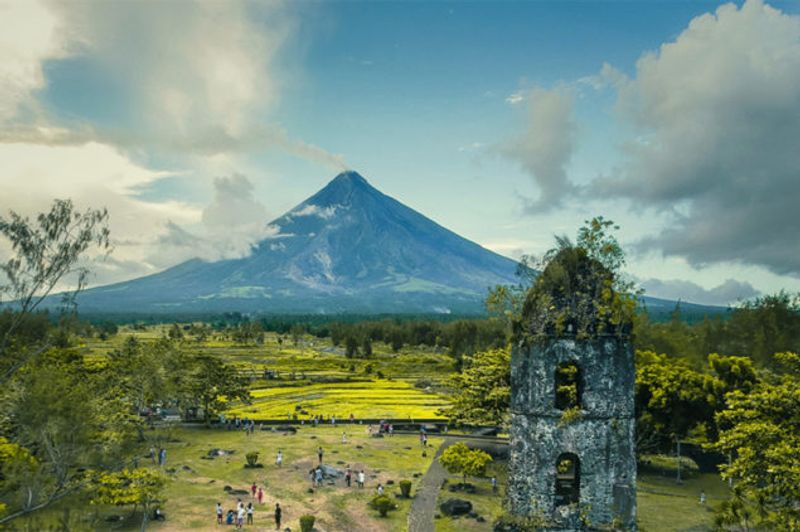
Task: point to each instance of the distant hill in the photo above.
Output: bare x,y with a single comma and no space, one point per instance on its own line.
347,248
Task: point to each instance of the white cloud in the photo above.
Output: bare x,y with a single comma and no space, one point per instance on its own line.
515,98
192,68
198,83
29,35
547,145
93,176
717,114
325,213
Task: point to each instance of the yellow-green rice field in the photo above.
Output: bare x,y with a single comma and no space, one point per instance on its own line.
378,398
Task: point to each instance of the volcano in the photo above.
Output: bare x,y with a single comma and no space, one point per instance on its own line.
347,249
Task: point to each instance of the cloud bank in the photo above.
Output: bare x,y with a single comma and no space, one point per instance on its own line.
718,111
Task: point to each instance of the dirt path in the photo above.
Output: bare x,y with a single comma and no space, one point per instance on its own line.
420,518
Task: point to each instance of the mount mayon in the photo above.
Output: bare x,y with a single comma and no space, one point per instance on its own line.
347,248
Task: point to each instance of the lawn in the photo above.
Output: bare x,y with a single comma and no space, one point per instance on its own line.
197,484
194,492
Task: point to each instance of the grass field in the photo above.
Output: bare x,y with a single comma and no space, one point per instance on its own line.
196,484
364,399
313,378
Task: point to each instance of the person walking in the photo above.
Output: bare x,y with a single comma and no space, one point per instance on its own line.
253,489
391,429
250,512
240,517
162,457
279,458
320,452
260,496
494,484
278,515
219,513
318,476
348,475
702,497
344,437
379,489
361,478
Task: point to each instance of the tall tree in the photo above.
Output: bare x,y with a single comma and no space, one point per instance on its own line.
760,430
44,251
482,389
213,384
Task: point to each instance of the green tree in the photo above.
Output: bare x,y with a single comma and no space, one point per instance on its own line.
366,347
213,384
351,347
672,399
482,390
760,430
458,459
71,419
43,252
140,487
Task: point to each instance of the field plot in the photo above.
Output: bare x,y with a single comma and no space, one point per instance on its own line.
364,399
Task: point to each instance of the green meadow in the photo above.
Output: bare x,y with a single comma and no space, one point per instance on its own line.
313,377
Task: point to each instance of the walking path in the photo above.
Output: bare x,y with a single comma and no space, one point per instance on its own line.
423,509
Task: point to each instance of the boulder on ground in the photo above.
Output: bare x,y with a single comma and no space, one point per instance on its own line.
454,507
331,472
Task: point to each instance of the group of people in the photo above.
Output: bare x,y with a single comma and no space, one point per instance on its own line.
159,456
246,424
317,476
237,517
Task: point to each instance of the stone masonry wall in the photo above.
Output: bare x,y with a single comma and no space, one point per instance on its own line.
602,438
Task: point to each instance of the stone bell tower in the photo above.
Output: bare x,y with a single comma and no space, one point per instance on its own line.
572,462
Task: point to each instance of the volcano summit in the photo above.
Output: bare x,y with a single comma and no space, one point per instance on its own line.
347,248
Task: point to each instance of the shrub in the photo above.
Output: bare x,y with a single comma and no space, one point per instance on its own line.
405,488
383,504
252,458
460,459
307,523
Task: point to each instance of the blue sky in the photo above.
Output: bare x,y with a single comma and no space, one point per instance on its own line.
507,122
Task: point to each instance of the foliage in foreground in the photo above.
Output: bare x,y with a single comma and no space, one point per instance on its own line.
382,504
482,390
139,487
761,431
459,459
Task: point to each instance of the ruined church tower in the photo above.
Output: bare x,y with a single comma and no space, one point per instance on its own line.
572,464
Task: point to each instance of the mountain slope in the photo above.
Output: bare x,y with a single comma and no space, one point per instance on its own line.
348,248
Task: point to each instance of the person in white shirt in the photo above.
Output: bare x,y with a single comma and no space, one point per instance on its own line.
240,516
279,459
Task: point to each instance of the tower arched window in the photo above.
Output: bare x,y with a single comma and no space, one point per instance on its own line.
568,479
568,386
